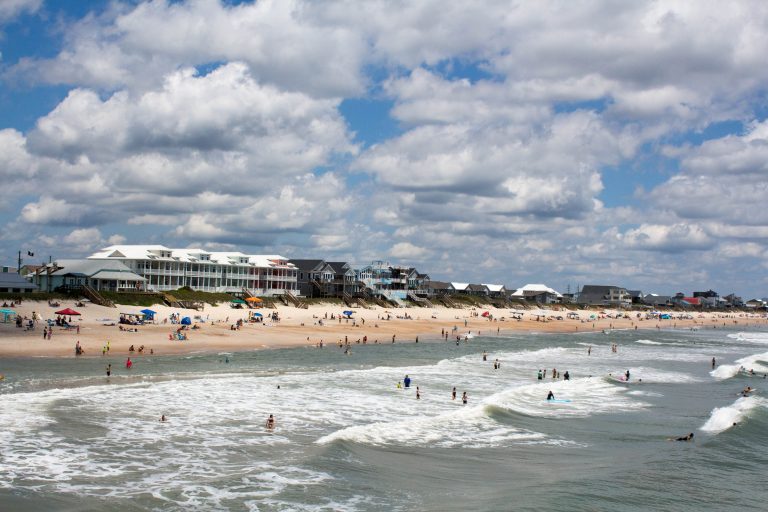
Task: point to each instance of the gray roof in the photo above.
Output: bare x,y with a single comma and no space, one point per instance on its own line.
14,280
438,285
90,267
308,265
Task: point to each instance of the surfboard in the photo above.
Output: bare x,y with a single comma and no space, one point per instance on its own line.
560,400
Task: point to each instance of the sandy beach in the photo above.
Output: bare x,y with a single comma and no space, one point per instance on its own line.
302,327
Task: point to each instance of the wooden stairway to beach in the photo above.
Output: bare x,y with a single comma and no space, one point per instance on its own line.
421,301
96,297
290,299
350,301
448,302
171,301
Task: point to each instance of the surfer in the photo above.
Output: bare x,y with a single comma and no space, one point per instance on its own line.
551,395
270,422
747,390
407,381
689,437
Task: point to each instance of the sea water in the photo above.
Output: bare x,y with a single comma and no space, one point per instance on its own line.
348,439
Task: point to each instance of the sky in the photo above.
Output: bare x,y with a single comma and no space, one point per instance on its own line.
566,143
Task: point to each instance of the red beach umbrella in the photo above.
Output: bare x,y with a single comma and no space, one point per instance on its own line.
485,314
68,312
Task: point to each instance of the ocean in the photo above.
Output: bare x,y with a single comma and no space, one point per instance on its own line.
347,439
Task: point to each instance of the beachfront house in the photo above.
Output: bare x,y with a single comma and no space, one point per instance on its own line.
437,288
709,299
319,278
13,282
168,269
478,290
459,287
756,304
658,301
496,291
733,300
101,275
602,295
538,293
391,282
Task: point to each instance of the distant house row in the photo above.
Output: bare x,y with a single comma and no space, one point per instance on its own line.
158,268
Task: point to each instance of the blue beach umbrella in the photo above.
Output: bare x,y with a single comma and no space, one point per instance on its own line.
186,321
257,314
348,313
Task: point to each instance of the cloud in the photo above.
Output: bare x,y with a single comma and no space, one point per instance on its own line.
407,251
671,238
10,9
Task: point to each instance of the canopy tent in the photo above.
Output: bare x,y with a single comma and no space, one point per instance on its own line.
238,301
254,299
186,321
149,313
68,312
257,314
6,315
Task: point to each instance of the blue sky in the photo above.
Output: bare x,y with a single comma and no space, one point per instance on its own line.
560,143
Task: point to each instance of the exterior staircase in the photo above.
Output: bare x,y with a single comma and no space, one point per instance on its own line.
448,302
96,297
171,301
421,301
290,299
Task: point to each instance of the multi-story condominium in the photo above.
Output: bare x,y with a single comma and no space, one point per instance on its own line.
169,269
391,281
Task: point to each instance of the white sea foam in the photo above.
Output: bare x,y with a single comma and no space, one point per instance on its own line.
727,371
723,418
467,427
587,396
760,338
648,342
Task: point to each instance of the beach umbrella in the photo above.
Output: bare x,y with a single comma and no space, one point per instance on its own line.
257,314
186,321
485,314
68,312
254,299
148,312
348,313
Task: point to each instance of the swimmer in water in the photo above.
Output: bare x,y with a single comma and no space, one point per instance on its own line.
453,394
464,398
163,418
270,422
689,437
551,395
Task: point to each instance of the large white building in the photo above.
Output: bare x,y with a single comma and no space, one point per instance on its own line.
169,269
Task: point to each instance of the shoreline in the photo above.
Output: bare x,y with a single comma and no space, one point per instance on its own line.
301,327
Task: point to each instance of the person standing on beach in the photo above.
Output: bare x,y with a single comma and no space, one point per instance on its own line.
45,332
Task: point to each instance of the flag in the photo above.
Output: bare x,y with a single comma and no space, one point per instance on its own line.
30,253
